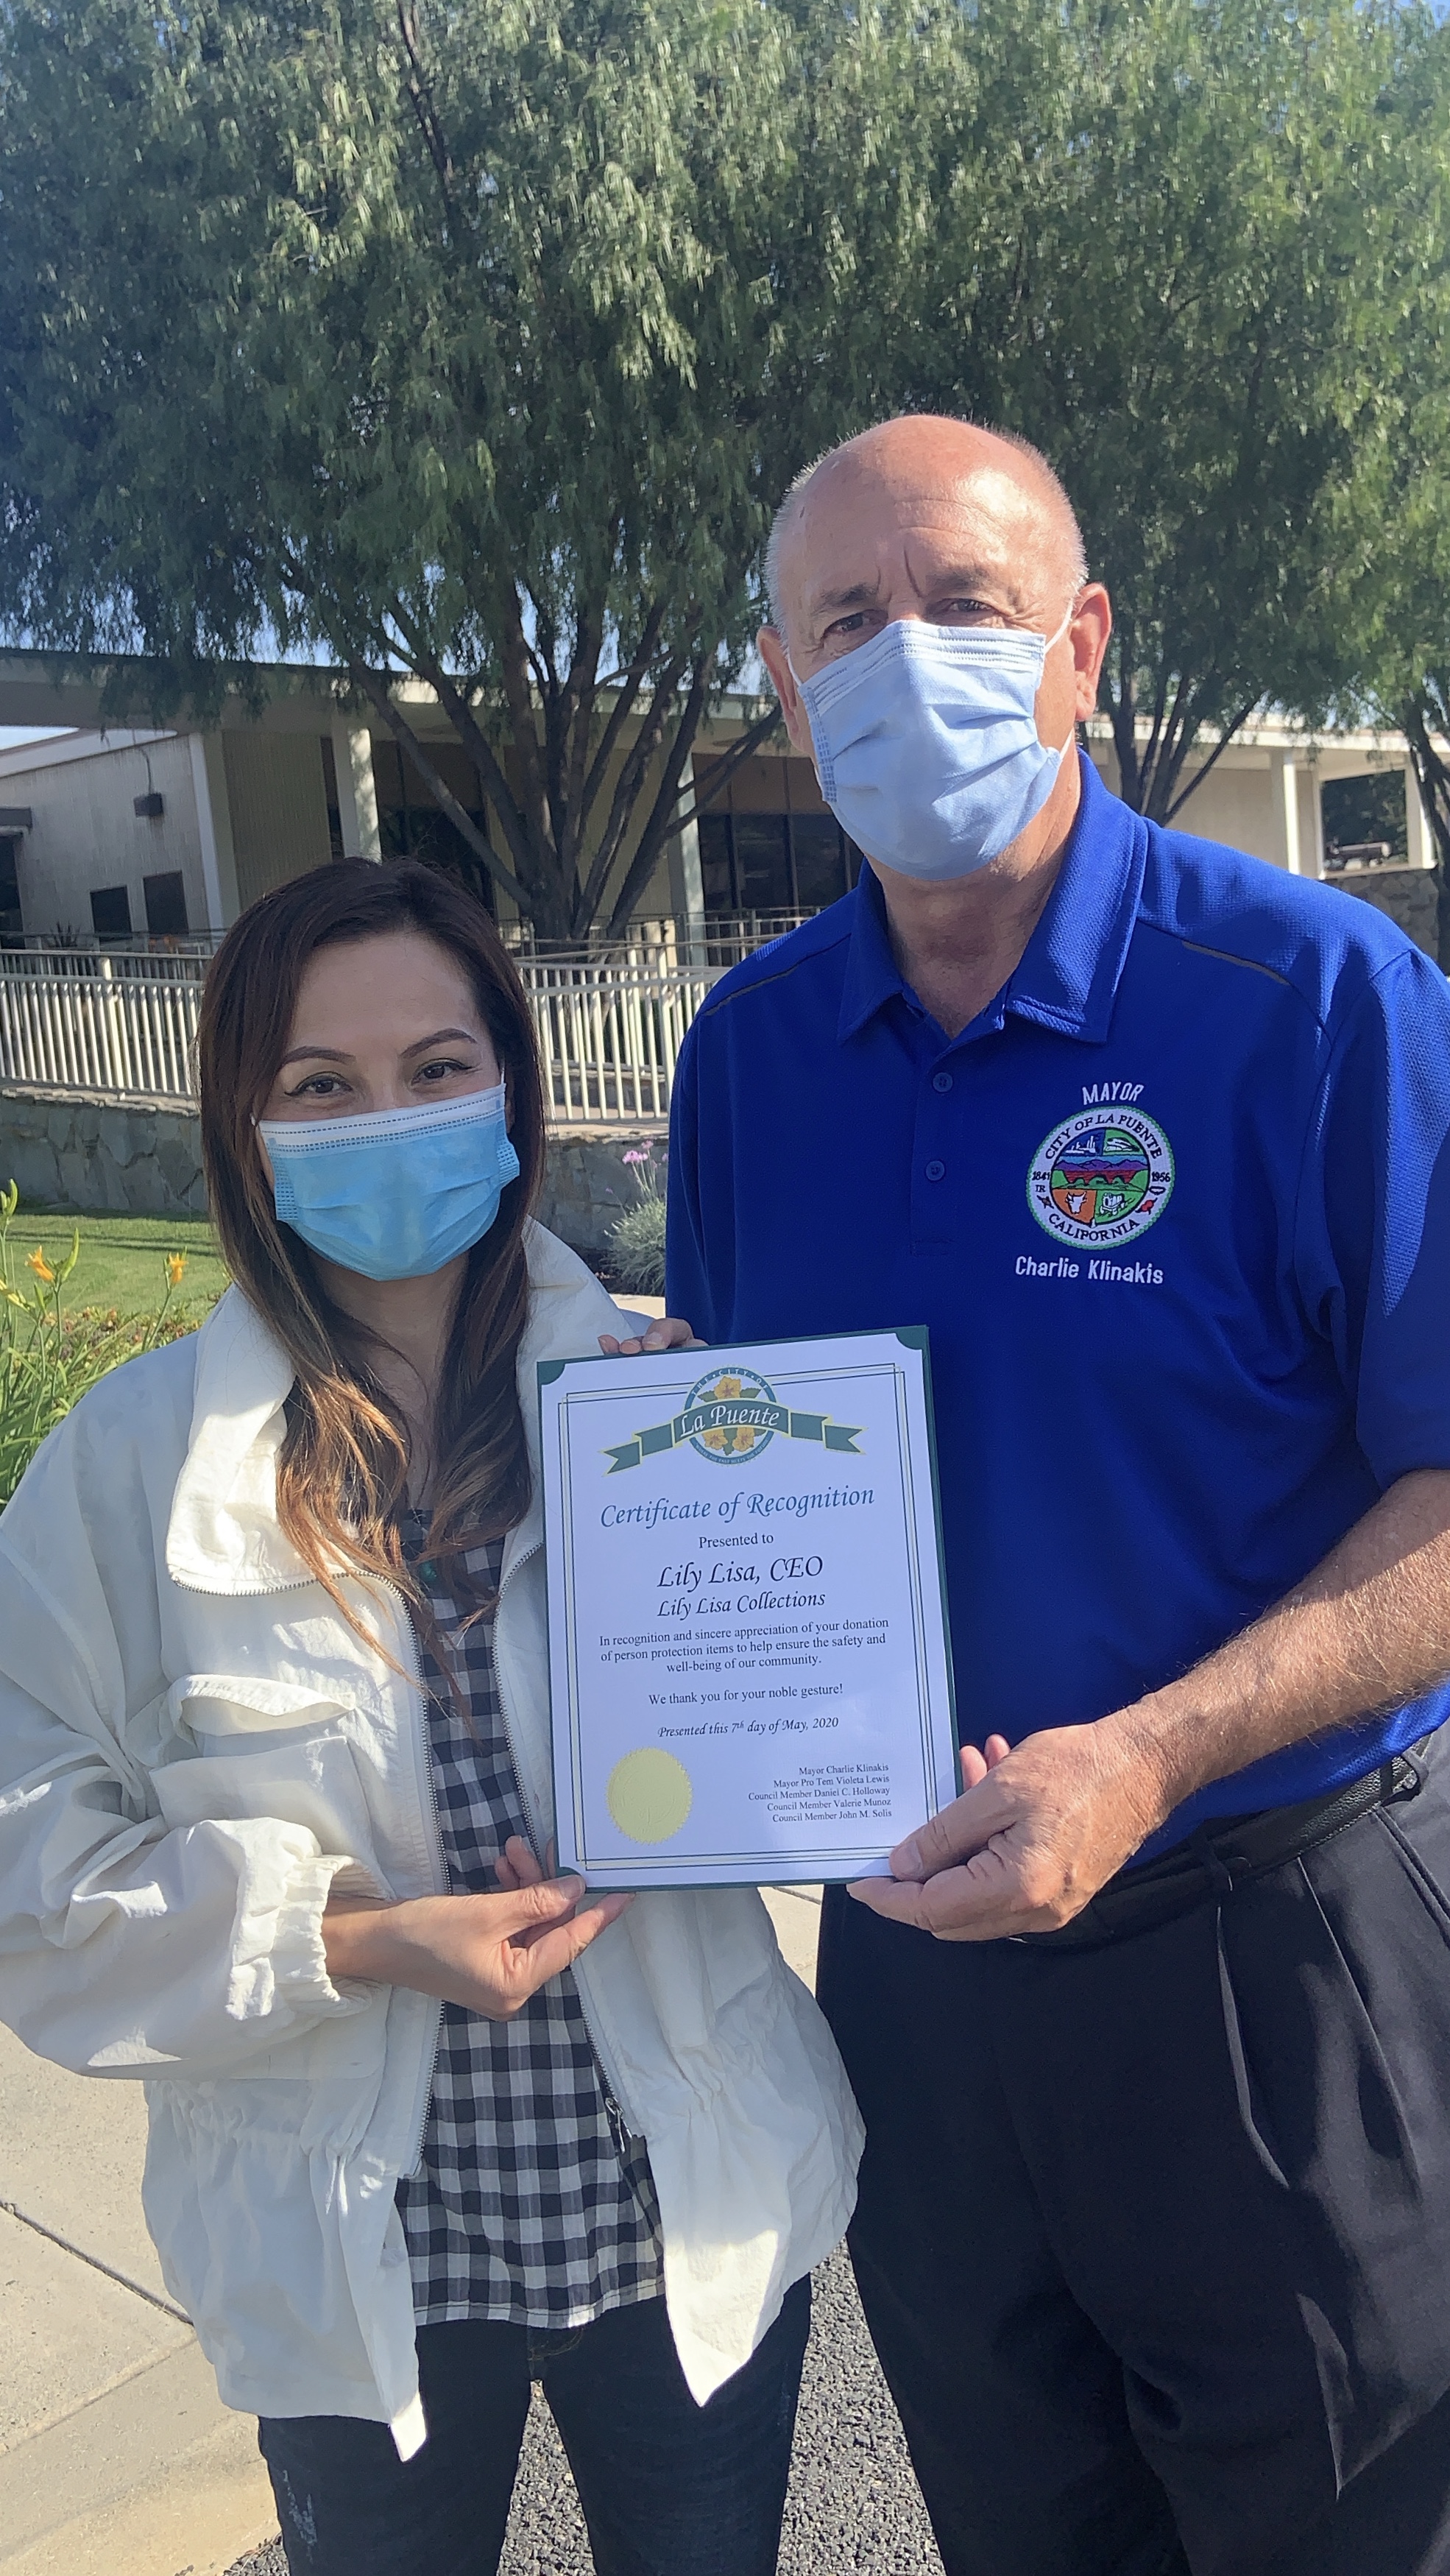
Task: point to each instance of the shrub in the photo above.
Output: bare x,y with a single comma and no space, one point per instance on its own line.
50,1354
637,1239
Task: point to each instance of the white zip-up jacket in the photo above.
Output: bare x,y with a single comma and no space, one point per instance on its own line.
193,1747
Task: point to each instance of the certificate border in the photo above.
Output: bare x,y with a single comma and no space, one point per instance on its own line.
814,1864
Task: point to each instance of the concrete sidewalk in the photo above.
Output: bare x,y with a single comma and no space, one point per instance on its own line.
116,2457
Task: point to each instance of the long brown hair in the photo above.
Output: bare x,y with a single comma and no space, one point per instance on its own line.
343,1469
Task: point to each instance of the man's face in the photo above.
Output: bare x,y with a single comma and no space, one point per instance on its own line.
944,524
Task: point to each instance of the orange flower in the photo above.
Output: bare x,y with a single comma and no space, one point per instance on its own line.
727,1387
37,1262
175,1268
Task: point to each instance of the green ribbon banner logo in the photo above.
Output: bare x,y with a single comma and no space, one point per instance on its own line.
732,1415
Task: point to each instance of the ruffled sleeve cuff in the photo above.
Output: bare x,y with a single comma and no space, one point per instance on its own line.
304,1989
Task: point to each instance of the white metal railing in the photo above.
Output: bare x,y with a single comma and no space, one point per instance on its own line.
714,939
609,1036
125,1026
73,1021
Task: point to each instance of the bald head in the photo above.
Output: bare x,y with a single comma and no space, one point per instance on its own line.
926,470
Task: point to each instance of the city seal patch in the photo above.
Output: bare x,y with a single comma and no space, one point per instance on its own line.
1101,1181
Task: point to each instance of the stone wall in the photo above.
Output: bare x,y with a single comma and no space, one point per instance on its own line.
137,1157
144,1158
1409,895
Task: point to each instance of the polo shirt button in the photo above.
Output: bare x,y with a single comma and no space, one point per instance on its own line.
936,1171
941,1082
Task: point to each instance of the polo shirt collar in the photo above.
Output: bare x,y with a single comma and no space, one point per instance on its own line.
1067,978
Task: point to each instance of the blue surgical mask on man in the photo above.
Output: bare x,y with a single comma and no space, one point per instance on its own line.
927,747
394,1193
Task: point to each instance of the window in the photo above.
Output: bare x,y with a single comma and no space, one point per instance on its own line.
774,862
165,904
771,844
111,912
11,925
1364,820
411,824
334,805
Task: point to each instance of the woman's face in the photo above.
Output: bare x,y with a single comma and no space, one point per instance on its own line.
385,1023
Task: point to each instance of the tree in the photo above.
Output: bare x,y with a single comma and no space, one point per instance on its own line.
1178,275
442,339
1393,543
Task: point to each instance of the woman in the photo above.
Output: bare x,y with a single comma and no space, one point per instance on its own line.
274,1774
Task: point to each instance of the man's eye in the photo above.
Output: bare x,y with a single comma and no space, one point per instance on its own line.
852,625
977,612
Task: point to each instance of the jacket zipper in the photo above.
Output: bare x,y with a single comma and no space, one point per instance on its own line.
428,1804
608,2080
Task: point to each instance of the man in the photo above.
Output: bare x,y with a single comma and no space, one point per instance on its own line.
1152,2027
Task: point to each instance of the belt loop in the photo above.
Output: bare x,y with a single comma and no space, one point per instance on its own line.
1220,1877
1396,1785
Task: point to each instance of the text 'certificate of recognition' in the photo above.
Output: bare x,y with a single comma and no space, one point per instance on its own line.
750,1671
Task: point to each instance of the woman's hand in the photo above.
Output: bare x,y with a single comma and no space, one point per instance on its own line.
488,1953
667,1334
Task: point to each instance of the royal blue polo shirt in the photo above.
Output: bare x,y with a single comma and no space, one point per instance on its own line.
1176,1210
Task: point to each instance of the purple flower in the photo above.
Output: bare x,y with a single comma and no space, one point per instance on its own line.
639,1156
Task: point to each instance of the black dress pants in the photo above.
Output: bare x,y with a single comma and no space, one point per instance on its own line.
1154,2239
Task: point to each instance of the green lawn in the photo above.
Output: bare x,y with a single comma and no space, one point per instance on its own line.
122,1257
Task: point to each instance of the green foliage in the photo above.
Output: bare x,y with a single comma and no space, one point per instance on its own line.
1393,535
1208,215
50,1353
442,339
637,1239
121,1251
475,340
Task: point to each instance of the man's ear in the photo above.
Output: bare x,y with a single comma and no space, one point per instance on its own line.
1091,628
771,646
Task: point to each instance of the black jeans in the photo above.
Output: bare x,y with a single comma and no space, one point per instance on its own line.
1154,2239
668,2488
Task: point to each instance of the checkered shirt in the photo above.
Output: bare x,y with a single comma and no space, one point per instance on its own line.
531,2205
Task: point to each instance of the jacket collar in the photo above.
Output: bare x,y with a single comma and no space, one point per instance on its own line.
224,1535
1067,977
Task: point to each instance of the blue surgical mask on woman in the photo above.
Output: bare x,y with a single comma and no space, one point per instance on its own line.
926,743
394,1193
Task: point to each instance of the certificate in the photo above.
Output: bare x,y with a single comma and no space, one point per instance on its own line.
750,1673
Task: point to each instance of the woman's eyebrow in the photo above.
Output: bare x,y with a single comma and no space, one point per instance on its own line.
470,1037
334,1055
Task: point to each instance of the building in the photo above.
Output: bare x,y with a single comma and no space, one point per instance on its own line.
165,835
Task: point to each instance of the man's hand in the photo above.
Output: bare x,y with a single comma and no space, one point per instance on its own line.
1042,1828
1037,1832
488,1953
667,1334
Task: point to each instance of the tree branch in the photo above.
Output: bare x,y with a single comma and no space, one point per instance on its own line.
1222,744
724,767
514,656
628,785
652,839
379,696
420,93
628,685
476,743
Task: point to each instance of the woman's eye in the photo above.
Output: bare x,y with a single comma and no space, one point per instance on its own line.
318,1086
440,1069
